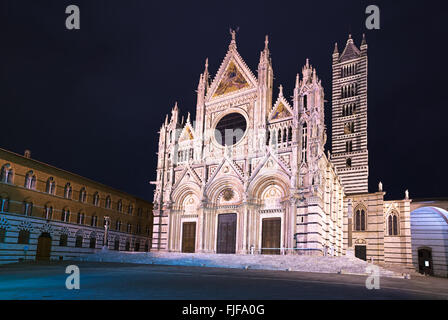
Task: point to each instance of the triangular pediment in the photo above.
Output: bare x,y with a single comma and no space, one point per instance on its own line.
226,168
233,76
187,133
350,52
188,175
281,108
280,111
232,80
269,164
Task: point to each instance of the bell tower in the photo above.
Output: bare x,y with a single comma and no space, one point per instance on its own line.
349,116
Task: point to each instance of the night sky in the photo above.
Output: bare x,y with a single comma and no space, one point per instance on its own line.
91,101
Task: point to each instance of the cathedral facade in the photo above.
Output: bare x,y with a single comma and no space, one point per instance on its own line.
250,175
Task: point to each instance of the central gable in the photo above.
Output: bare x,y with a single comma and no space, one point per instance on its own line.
232,80
233,76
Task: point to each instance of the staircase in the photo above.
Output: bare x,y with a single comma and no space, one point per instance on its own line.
302,263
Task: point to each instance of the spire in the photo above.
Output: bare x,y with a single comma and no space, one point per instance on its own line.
336,51
349,40
266,43
206,76
174,113
201,80
281,91
188,117
297,81
307,71
363,42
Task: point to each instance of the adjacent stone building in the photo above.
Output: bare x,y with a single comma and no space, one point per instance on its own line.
249,174
49,213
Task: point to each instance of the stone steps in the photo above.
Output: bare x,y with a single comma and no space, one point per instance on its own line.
342,265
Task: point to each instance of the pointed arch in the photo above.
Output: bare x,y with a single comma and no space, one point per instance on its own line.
392,223
360,218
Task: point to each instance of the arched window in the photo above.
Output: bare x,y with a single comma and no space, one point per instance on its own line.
118,225
51,186
360,219
349,162
304,142
108,202
279,136
81,218
27,208
63,239
148,230
94,221
48,212
65,215
138,228
82,195
30,180
392,224
290,134
78,242
130,209
4,204
6,174
24,237
348,146
129,228
285,135
120,206
96,199
68,191
305,102
268,137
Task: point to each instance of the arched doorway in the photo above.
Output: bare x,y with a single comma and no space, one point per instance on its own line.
43,247
425,261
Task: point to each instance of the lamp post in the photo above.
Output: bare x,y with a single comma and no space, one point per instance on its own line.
106,231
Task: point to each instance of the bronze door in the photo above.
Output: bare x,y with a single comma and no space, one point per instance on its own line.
188,237
361,252
270,237
43,247
226,240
